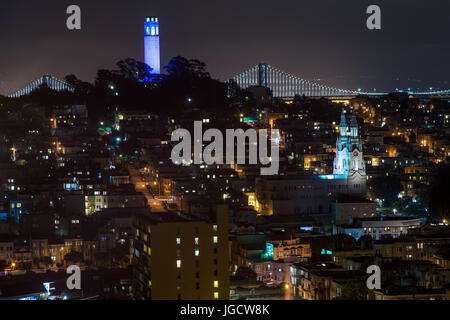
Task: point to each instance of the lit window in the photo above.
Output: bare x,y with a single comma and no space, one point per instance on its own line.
216,284
215,239
178,264
216,295
196,240
215,228
178,240
197,252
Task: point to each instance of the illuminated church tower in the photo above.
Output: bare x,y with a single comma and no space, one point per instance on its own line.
349,162
151,44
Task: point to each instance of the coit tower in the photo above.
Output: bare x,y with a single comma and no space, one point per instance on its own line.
151,44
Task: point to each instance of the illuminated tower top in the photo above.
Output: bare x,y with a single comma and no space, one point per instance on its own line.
343,126
151,26
151,43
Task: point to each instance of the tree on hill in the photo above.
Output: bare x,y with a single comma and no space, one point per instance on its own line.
134,70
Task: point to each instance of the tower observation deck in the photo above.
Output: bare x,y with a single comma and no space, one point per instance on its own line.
151,44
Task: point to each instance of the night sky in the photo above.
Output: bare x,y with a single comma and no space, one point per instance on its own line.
314,39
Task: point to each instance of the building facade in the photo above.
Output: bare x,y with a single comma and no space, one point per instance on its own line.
378,227
178,257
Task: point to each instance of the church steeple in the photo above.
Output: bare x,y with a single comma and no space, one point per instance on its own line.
353,127
343,126
348,147
349,167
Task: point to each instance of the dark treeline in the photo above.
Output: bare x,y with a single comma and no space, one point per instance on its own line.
186,88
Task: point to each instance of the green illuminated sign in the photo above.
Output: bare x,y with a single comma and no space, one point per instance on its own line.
269,250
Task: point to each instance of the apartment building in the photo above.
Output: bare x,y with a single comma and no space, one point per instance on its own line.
176,256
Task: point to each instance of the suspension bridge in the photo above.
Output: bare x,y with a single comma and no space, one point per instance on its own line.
52,82
282,85
285,85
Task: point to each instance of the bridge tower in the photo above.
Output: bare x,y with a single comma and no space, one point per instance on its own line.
151,44
262,75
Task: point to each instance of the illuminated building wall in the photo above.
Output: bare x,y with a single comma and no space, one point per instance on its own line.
151,44
96,201
15,210
284,249
181,257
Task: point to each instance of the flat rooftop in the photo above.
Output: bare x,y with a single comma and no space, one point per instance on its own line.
167,217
